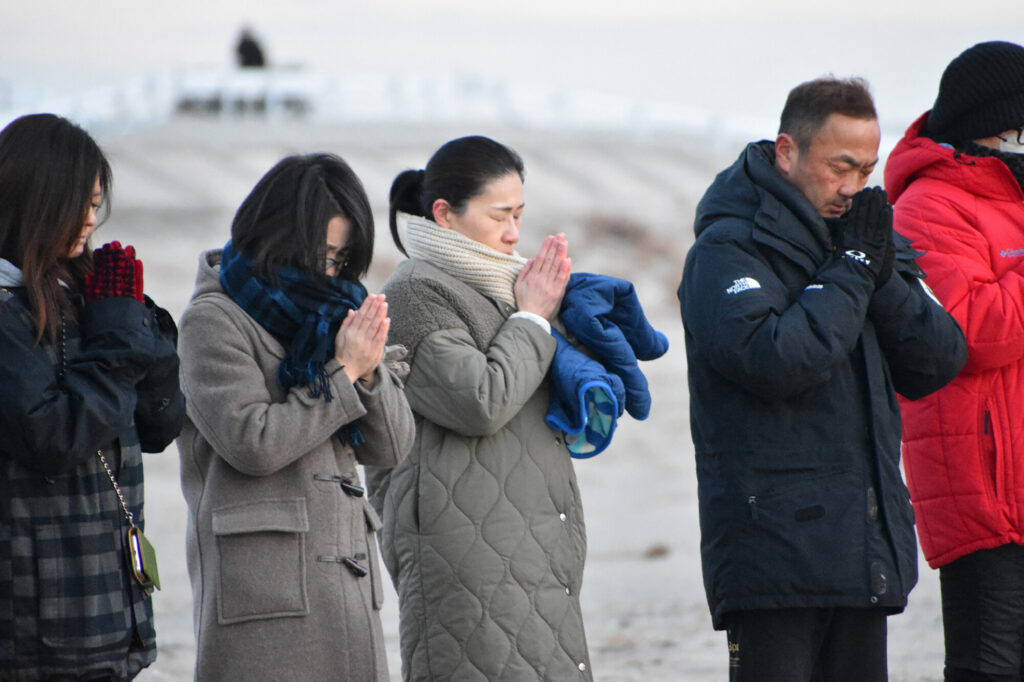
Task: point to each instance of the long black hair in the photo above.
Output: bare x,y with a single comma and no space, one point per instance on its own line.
48,171
457,172
283,221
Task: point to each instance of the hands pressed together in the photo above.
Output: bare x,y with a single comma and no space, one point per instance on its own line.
540,286
867,233
359,343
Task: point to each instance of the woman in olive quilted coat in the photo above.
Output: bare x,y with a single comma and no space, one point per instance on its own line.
483,526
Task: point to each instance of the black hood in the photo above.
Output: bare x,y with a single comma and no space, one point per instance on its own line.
739,190
753,186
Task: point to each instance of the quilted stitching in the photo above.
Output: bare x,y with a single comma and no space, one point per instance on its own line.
484,534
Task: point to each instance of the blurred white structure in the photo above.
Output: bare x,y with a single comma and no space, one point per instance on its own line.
294,92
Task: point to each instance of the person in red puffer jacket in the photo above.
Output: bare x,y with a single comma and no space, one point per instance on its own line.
957,182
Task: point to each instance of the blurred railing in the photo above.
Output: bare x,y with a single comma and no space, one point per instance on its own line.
293,92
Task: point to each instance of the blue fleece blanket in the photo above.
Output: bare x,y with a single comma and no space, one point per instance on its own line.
593,384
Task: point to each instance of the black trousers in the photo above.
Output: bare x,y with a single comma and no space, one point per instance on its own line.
983,615
807,645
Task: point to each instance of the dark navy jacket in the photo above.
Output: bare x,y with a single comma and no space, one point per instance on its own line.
68,604
794,363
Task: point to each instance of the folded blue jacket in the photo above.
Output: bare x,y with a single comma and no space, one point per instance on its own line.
591,387
586,399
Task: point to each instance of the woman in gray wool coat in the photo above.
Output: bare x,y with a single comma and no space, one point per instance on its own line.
483,526
289,387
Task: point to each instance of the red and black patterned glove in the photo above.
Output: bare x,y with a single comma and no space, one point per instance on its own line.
115,272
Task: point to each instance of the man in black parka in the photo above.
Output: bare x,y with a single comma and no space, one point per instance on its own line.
804,315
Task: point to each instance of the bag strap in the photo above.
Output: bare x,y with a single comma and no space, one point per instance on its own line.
60,372
117,489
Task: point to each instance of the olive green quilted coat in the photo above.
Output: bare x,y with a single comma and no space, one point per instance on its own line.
483,528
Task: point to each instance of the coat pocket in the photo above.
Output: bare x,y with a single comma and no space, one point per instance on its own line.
84,601
805,534
373,524
261,571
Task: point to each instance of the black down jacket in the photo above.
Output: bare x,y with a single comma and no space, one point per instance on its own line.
794,363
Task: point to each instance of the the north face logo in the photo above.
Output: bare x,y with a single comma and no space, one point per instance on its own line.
743,284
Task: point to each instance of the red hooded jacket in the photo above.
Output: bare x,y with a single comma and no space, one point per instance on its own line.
964,444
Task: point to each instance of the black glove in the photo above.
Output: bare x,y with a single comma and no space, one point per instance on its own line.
888,258
867,233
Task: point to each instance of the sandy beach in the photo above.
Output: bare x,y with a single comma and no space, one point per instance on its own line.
626,205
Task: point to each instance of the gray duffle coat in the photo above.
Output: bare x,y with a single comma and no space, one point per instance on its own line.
276,520
483,526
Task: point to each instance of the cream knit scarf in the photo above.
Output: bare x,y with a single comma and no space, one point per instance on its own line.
490,272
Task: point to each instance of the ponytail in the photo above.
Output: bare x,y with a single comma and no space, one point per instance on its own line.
405,196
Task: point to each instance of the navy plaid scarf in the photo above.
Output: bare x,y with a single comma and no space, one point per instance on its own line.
303,313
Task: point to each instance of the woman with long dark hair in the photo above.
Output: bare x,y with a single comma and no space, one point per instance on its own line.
483,524
289,388
89,380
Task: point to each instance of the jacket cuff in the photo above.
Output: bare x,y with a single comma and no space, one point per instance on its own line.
379,375
340,383
115,312
532,317
889,298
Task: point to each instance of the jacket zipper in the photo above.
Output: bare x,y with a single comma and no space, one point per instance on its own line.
991,453
752,503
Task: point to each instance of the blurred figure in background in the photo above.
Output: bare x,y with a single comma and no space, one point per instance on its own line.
89,380
246,91
290,387
804,315
958,180
248,51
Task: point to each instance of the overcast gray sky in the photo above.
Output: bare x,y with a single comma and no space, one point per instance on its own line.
739,56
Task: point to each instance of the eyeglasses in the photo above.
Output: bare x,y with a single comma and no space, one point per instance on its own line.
338,262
